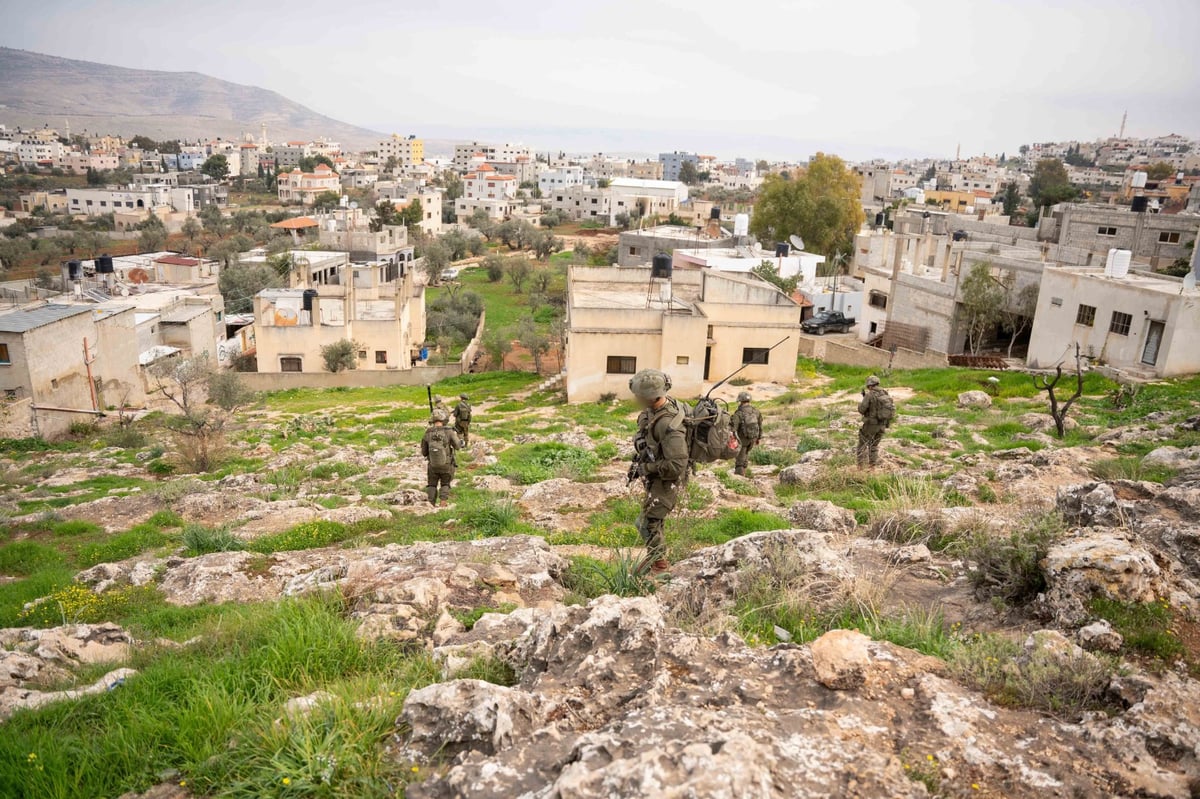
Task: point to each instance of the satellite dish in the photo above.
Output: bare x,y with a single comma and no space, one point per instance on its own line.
797,242
137,275
353,205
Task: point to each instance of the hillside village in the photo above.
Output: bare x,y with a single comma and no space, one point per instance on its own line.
221,574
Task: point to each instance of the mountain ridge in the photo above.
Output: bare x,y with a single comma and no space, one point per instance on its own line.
41,89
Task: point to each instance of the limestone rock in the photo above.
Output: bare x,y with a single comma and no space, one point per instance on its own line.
841,659
821,515
1100,636
447,718
1090,504
974,399
1173,457
1098,562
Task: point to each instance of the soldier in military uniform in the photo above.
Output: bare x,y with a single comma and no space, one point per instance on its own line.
462,419
438,447
877,411
747,426
660,461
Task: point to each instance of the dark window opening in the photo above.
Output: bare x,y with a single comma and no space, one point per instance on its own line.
1086,315
621,365
1120,324
756,355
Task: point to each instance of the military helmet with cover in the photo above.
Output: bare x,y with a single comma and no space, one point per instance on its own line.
872,381
650,384
463,397
440,415
744,396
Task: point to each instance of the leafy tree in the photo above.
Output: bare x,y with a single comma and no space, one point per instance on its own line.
454,315
326,201
603,183
552,218
497,343
228,391
213,219
282,264
199,427
770,273
191,230
622,219
434,261
153,235
688,173
983,303
453,185
340,355
216,167
1012,198
412,215
761,165
239,283
545,244
1050,184
309,162
534,339
518,272
493,264
822,206
385,214
542,278
1160,171
1018,309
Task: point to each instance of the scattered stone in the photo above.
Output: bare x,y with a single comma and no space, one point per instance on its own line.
841,659
821,515
915,553
1100,636
1012,454
463,715
1173,457
974,399
1098,562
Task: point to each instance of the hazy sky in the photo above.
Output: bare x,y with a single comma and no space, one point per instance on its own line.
771,78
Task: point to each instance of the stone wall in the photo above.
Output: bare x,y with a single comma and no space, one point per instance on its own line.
366,378
850,352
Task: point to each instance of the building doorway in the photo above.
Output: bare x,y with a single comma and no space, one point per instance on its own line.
707,361
1153,343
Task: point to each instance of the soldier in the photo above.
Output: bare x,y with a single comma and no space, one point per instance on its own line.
439,404
462,419
660,460
438,447
747,426
877,411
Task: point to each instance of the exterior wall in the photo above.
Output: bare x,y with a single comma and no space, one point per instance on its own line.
116,367
1080,226
297,186
552,180
1055,330
858,354
673,162
638,247
405,149
583,203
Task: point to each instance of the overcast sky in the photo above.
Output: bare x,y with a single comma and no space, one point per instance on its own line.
770,78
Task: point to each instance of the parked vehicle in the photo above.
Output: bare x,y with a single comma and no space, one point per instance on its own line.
828,322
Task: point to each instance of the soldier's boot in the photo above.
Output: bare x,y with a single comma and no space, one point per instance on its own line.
431,492
660,566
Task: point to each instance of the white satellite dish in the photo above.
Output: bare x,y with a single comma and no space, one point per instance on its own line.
797,242
354,205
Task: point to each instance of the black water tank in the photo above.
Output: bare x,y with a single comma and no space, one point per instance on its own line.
74,270
1139,205
661,266
309,296
104,265
715,213
879,220
782,250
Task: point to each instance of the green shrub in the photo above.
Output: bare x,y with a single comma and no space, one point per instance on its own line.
763,456
1129,467
28,557
606,450
490,669
591,578
121,546
165,518
307,535
532,463
339,469
160,468
1148,628
490,516
1009,567
200,540
74,527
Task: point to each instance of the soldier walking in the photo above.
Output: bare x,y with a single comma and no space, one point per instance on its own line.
747,426
660,460
877,410
438,447
462,419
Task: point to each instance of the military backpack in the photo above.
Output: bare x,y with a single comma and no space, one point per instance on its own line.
883,408
440,455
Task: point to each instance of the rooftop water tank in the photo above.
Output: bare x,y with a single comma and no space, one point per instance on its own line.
781,250
741,225
1120,262
74,270
104,265
309,297
1139,180
1139,204
660,267
715,213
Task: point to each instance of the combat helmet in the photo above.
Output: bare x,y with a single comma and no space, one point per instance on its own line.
872,381
439,415
744,396
650,384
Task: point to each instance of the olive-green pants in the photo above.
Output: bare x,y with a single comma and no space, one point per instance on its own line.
743,453
869,436
464,430
658,504
439,477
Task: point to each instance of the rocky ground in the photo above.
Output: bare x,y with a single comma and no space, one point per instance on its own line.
994,612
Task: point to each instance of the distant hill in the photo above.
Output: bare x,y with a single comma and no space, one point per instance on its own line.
38,90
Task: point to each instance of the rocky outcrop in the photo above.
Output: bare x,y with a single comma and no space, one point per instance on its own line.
1173,457
31,658
821,515
974,399
1099,563
611,700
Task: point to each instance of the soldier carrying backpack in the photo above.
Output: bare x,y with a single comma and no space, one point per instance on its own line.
438,446
462,419
747,426
660,459
877,410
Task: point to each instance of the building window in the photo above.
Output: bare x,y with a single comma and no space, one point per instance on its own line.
877,299
682,360
362,355
4,359
621,365
759,355
1120,323
380,356
1168,238
10,393
1106,231
1086,315
290,365
54,383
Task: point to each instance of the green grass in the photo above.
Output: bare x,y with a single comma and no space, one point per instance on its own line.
201,540
210,712
23,558
124,545
306,535
610,526
525,464
491,670
589,578
1146,627
503,305
1129,467
481,387
685,534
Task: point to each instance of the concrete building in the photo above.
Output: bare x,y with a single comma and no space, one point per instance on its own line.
673,162
646,170
644,198
487,189
348,230
563,177
698,326
404,192
405,149
1160,238
488,153
583,203
43,372
287,156
1145,324
638,247
36,152
379,306
303,187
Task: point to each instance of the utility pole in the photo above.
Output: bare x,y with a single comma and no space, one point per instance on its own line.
87,362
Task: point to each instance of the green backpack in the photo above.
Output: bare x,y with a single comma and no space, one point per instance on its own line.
439,449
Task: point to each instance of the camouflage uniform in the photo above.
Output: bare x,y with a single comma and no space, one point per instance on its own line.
438,477
462,419
747,426
871,432
663,467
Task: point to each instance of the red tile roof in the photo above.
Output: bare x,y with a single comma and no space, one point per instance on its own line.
178,260
296,223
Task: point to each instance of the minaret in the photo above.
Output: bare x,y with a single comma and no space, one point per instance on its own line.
958,152
1124,116
263,143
